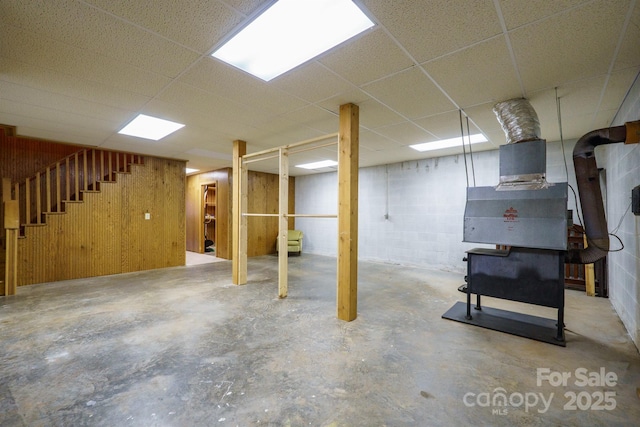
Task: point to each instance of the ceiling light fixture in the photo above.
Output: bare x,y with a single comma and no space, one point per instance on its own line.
290,33
449,143
191,170
149,127
318,165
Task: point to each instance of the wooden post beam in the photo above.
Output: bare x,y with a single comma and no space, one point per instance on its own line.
11,227
348,144
239,222
283,224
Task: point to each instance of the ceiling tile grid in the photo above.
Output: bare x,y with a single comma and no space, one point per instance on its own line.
77,71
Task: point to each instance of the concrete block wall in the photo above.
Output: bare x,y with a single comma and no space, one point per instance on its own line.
623,173
412,212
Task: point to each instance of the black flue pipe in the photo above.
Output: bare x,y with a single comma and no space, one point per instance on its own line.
595,222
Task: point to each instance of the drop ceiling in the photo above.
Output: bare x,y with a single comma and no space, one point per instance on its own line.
78,71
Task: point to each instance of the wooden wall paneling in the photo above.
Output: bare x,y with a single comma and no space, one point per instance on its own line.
22,156
292,202
110,227
173,214
223,213
106,233
193,209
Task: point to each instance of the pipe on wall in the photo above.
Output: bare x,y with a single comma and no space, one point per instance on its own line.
590,193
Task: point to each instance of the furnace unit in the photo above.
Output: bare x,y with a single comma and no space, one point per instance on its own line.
524,218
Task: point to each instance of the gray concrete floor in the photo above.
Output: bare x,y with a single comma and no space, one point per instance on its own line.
184,347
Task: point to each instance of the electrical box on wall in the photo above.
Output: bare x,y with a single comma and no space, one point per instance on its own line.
635,200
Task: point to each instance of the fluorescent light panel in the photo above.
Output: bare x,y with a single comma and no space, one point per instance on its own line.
149,127
290,33
318,165
448,143
191,170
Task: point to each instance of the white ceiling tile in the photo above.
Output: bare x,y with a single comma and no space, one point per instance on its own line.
484,73
80,124
230,83
37,77
85,27
36,126
484,117
405,133
430,29
521,12
447,125
30,48
246,7
373,115
193,22
311,82
546,55
375,142
76,72
212,108
55,101
617,88
315,118
352,96
410,93
368,58
629,54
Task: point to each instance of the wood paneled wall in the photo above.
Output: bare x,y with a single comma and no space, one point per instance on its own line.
21,157
107,232
263,198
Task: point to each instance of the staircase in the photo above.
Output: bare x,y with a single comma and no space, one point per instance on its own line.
52,189
49,190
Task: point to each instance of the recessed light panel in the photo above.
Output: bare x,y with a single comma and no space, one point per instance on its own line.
318,165
149,127
448,143
290,33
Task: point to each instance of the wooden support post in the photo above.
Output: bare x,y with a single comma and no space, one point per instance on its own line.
589,276
348,142
11,226
283,224
239,222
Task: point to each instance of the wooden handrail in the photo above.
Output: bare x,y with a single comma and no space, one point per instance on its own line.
65,179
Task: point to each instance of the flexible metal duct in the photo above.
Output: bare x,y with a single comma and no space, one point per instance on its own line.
584,162
518,119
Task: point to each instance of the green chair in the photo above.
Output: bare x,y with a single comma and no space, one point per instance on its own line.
294,241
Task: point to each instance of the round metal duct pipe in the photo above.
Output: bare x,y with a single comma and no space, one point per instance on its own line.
518,119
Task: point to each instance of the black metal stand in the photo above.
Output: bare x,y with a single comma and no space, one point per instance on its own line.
533,276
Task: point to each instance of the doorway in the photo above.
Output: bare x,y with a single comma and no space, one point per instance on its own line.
208,237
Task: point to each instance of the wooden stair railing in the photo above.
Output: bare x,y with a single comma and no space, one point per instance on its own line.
66,180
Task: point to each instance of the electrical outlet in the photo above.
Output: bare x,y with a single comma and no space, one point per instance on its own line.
147,215
635,200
